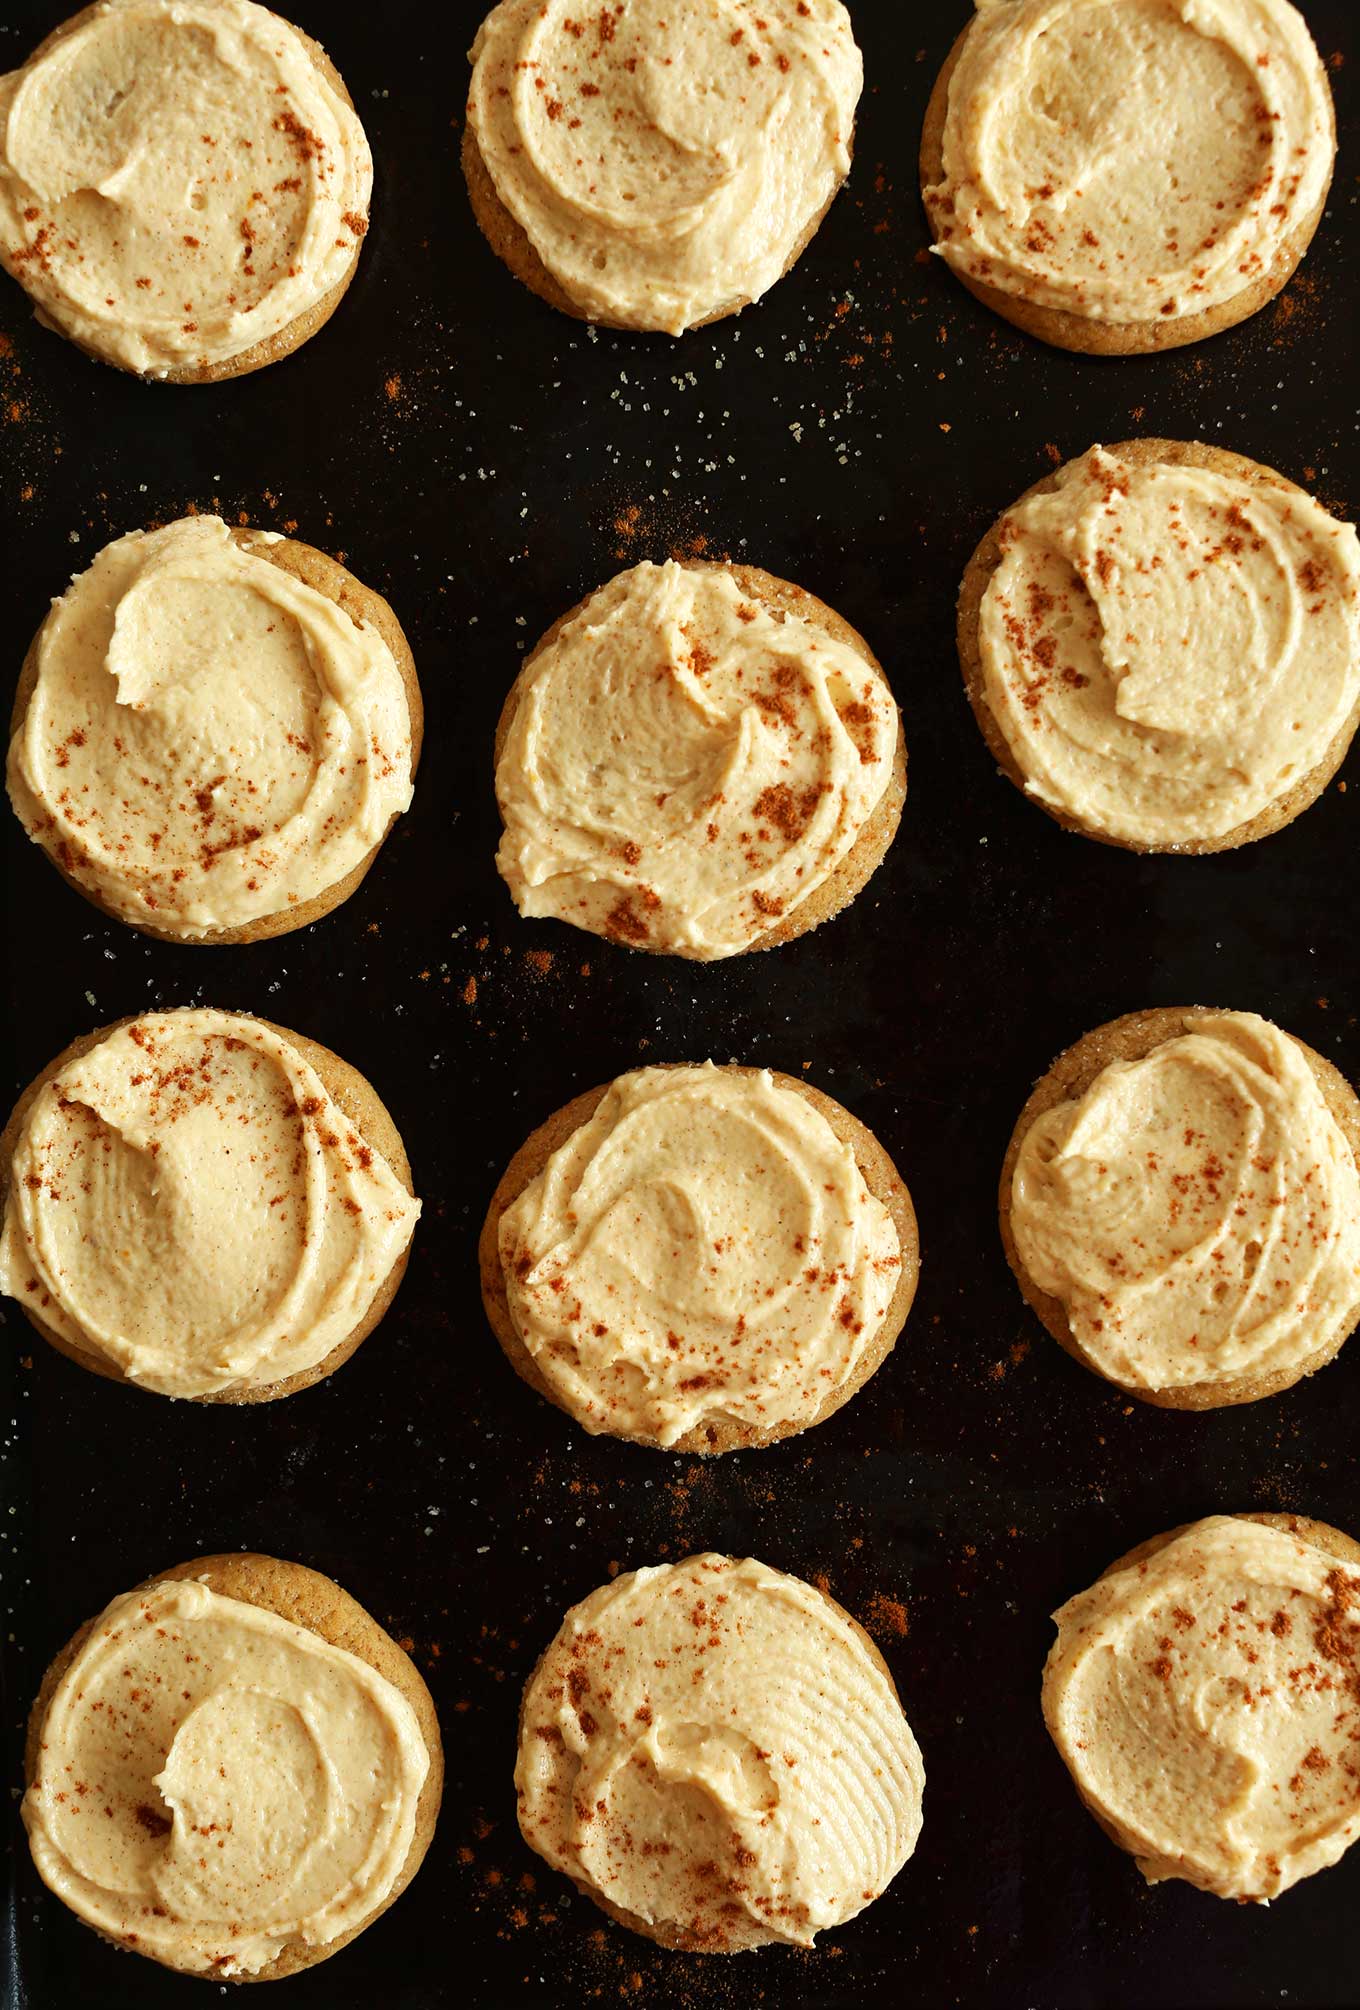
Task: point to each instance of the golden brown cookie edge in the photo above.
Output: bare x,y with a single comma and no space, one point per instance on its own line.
511,244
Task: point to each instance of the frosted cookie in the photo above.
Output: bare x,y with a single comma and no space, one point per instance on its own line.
1120,176
184,185
658,165
697,760
1161,644
214,731
233,1770
1202,1694
1181,1206
699,1259
716,1754
202,1204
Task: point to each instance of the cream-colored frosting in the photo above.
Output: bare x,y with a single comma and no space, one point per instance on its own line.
216,1785
703,1248
685,766
1197,1211
178,181
716,1749
1168,650
1130,160
188,1204
666,158
1207,1703
210,740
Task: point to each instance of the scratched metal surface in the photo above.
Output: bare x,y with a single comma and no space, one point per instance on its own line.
484,463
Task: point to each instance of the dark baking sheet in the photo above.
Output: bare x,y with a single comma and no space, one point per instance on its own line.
485,463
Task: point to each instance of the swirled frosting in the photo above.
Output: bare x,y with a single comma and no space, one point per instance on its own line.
187,1203
216,1785
703,1247
666,158
1197,1211
716,1749
1168,649
178,180
210,740
684,765
1130,160
1207,1703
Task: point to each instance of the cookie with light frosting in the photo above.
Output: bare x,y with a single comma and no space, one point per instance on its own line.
205,1205
715,1753
1161,645
1202,1695
699,1259
1180,1204
698,760
661,165
184,185
1121,176
232,1770
214,730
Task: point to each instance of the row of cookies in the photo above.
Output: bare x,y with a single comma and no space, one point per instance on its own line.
233,1769
215,728
205,1205
185,184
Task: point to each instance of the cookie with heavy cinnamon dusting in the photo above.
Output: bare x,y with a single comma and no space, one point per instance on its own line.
697,760
658,166
1258,1614
727,1719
